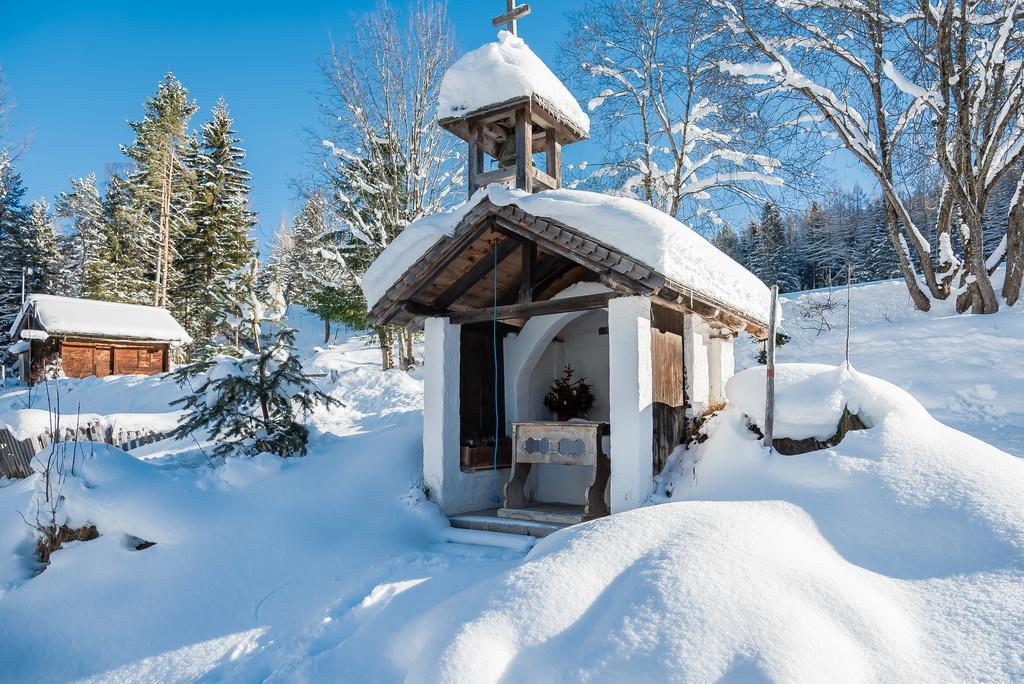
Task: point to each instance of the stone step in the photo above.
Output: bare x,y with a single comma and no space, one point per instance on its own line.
475,552
487,538
491,523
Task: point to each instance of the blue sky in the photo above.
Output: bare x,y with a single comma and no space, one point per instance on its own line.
79,70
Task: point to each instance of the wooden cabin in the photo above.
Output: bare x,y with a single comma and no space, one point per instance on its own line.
525,278
84,337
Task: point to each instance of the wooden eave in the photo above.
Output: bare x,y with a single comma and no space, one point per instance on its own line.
456,277
489,125
112,341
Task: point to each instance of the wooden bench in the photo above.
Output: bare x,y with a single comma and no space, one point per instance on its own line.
576,443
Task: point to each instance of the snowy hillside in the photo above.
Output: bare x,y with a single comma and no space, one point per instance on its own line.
897,556
967,371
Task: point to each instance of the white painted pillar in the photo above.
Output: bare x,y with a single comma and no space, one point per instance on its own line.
721,366
695,357
631,394
441,466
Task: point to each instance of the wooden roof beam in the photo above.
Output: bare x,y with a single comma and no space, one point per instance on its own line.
530,309
499,252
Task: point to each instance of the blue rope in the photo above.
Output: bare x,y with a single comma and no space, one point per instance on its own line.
494,346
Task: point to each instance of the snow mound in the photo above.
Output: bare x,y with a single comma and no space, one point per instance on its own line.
504,70
809,397
650,236
973,386
681,592
896,556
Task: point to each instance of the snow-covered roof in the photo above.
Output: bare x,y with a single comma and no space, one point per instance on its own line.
19,347
93,318
505,70
633,228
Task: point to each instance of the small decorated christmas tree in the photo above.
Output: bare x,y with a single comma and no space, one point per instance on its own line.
569,398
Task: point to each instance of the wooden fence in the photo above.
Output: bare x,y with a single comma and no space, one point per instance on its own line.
16,454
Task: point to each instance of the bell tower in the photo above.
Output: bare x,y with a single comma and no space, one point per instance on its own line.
517,137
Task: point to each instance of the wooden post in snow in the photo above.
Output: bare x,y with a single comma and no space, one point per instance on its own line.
849,316
769,385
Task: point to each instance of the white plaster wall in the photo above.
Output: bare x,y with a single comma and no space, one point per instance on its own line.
695,358
721,367
453,490
629,327
580,344
523,352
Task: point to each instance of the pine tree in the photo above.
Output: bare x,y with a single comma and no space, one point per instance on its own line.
84,207
246,399
727,242
162,184
218,241
110,232
770,254
281,261
14,246
43,247
248,404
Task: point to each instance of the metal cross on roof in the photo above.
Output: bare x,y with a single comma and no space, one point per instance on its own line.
512,14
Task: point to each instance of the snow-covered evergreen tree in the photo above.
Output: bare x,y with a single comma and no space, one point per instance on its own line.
15,248
248,404
162,184
217,240
44,249
84,207
727,241
247,398
770,255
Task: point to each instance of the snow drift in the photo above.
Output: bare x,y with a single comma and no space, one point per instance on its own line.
897,556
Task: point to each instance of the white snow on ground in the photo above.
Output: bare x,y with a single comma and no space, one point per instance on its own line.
968,371
650,236
130,402
896,556
502,71
75,316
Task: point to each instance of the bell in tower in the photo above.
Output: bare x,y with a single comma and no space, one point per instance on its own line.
512,111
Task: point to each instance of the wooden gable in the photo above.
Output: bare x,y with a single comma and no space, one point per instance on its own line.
536,258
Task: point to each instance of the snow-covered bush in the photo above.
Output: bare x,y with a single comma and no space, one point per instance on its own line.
249,402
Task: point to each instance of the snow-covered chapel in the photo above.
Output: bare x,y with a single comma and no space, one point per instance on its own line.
527,278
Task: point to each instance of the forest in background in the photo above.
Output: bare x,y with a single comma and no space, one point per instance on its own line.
708,111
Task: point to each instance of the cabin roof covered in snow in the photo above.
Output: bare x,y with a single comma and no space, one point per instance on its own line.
687,264
502,71
94,318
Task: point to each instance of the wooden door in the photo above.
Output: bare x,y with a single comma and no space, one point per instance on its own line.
669,384
82,359
102,360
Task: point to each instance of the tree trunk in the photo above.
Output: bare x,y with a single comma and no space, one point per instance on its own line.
403,358
387,357
1014,251
327,330
983,297
919,297
410,355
